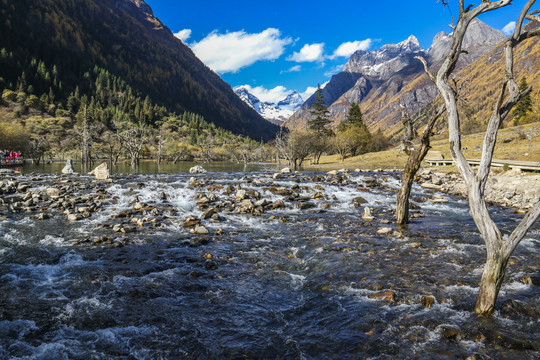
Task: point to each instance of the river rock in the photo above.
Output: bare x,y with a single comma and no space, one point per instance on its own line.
357,201
23,187
531,280
278,204
200,230
385,295
367,216
318,196
451,332
506,340
277,176
101,172
286,170
305,205
197,169
209,213
385,231
246,206
41,216
262,202
203,201
427,301
241,195
191,221
515,307
431,186
68,169
74,217
52,191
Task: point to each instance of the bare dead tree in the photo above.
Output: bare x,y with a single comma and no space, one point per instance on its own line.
206,146
412,166
85,135
408,130
134,137
160,140
114,146
498,249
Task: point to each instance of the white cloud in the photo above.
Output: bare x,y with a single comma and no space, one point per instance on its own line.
295,68
509,28
183,34
235,50
310,90
309,53
348,48
334,70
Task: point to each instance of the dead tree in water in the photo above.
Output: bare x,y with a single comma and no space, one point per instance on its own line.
498,249
408,130
412,166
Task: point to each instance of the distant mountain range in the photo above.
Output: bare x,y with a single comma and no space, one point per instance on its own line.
127,40
276,112
380,80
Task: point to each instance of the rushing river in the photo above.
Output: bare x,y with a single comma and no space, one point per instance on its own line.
305,278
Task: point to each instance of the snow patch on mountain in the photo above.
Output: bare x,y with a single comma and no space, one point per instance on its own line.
276,112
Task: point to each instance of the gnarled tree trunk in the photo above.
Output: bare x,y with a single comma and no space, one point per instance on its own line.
411,168
498,250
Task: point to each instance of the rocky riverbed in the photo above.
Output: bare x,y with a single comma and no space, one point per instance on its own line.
510,189
252,265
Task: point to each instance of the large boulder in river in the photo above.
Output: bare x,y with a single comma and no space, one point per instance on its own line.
197,169
101,172
68,169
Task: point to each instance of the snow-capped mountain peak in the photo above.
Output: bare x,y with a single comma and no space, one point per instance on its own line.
292,100
248,97
386,61
275,112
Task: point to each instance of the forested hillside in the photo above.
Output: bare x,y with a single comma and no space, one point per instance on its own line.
118,56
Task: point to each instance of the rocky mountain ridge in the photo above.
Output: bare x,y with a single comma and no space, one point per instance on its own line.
378,79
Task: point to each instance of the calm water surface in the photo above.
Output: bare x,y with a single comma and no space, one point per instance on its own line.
146,167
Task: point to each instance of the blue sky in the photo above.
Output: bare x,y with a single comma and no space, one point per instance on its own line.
279,46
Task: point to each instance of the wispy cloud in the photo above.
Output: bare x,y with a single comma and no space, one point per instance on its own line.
233,51
183,34
509,28
295,68
310,90
309,53
334,70
348,48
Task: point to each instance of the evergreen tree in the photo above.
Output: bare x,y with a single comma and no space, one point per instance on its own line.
320,112
354,117
524,105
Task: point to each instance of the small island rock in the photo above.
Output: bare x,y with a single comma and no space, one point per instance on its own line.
101,172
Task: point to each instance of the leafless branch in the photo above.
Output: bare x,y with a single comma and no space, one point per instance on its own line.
426,68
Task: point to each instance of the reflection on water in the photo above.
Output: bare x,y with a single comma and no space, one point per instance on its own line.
146,167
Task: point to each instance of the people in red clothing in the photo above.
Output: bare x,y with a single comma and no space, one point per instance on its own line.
8,157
